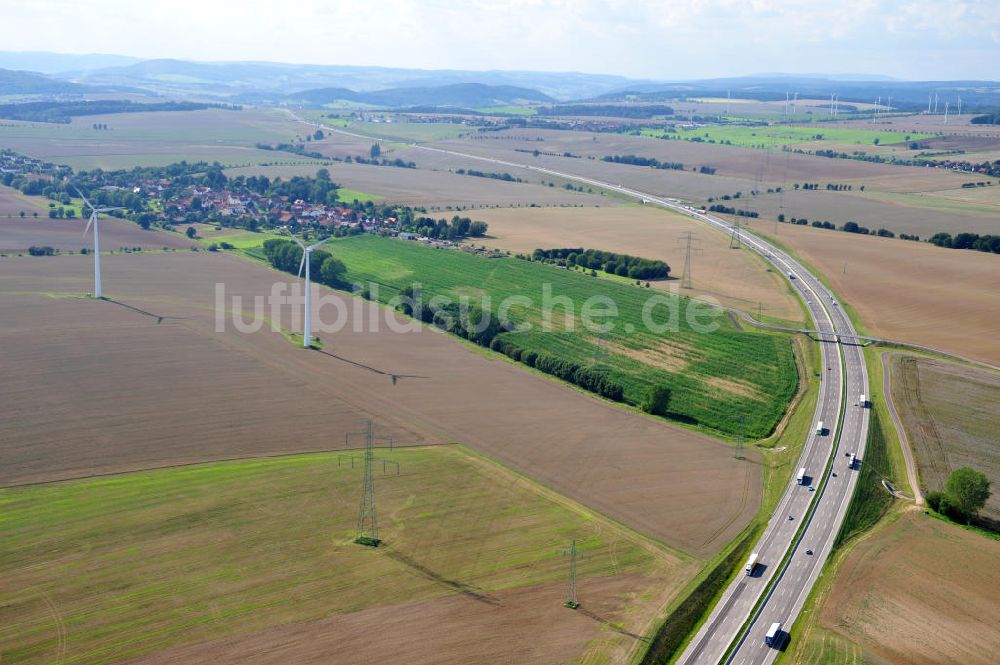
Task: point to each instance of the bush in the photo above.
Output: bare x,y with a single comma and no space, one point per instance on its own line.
657,400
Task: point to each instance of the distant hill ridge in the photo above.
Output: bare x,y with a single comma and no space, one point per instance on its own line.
470,95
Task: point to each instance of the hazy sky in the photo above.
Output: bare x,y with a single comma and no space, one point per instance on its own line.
662,39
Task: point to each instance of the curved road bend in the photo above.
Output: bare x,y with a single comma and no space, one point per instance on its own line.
844,379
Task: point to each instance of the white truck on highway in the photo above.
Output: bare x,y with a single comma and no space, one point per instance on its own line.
863,401
819,428
773,633
851,460
751,563
801,477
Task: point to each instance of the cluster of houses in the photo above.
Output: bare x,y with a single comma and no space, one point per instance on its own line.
282,210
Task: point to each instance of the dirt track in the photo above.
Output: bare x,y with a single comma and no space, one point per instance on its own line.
122,391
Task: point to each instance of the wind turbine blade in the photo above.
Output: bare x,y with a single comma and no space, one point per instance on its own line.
298,242
302,263
91,221
83,197
319,243
110,209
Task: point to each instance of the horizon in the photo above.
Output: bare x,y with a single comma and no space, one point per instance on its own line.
845,76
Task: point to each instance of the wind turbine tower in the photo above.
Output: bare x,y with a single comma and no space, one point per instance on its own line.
97,242
946,112
306,255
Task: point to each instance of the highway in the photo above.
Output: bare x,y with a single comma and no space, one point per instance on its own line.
804,519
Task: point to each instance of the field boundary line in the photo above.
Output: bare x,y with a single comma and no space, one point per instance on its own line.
221,460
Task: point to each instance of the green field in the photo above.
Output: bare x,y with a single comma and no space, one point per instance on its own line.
349,195
508,110
775,136
713,375
121,566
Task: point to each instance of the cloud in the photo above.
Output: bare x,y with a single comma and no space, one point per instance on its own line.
656,38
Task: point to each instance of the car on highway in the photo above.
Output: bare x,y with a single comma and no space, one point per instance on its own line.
809,552
812,489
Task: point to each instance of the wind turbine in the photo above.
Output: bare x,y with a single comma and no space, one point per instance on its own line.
97,246
306,252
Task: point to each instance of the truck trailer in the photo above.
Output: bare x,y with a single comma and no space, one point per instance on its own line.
801,477
773,633
751,563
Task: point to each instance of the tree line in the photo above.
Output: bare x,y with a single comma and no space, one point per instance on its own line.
623,265
485,329
981,243
457,229
636,160
726,210
286,255
506,177
64,112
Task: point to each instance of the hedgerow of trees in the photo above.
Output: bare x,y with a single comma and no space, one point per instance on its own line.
442,229
635,160
485,329
623,265
286,255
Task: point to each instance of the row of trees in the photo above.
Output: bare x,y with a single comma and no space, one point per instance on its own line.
287,255
636,160
485,329
506,177
726,210
622,265
442,229
593,379
981,243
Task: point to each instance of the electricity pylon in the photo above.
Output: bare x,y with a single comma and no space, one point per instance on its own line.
689,240
571,601
367,531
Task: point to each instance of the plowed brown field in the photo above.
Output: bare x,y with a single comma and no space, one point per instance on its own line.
920,592
17,235
525,626
909,291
